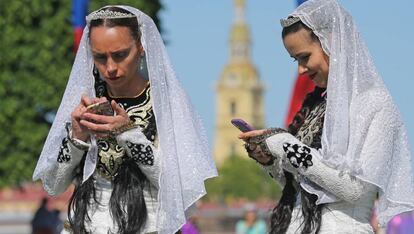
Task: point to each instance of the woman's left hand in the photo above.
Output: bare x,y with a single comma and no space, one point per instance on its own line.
254,151
102,125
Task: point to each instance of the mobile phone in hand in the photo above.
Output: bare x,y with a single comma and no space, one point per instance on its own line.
101,108
242,125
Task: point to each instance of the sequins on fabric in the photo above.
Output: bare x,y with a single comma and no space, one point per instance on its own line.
64,151
298,156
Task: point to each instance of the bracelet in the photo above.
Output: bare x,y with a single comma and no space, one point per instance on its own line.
130,125
250,152
74,142
260,141
268,133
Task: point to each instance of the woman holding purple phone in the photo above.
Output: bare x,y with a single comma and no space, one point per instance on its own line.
347,143
125,133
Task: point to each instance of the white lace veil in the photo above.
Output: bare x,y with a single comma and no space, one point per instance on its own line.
184,151
363,133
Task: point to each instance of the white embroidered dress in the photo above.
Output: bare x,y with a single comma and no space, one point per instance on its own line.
185,160
364,145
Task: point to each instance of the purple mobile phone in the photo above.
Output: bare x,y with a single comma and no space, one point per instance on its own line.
242,125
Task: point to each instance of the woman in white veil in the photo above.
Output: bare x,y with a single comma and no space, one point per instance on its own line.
140,169
347,145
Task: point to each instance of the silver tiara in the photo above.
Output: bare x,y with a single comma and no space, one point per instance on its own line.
107,14
289,21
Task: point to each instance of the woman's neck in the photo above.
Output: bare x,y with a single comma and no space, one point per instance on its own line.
130,89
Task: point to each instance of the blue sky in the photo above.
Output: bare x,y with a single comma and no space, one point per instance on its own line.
197,33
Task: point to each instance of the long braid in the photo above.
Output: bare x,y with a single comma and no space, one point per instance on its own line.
127,205
282,213
80,201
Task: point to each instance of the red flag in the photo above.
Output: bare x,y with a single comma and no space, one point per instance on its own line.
303,86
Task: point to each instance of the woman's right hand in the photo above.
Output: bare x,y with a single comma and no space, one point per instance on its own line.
78,130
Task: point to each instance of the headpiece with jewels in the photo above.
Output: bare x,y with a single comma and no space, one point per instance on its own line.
289,21
107,14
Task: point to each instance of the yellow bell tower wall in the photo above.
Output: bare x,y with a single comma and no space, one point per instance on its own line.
239,91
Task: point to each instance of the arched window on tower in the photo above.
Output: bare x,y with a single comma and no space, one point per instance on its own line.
233,108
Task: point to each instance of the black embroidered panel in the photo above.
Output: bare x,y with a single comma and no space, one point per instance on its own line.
299,156
141,153
311,130
110,158
64,152
139,109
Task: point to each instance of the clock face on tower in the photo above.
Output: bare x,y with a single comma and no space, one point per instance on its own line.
232,80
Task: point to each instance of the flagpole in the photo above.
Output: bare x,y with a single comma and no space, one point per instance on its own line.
79,12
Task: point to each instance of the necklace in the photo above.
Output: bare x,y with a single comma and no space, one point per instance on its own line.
139,94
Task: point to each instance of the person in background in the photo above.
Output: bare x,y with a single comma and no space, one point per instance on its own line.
402,224
190,227
57,223
251,224
41,222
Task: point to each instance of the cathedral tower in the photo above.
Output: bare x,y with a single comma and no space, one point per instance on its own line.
239,91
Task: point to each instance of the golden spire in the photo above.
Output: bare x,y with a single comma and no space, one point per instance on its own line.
240,35
239,3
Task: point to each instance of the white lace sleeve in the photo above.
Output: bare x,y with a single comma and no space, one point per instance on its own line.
58,178
143,152
275,171
306,161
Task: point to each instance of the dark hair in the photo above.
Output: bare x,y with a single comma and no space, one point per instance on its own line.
296,27
80,201
126,205
131,23
312,213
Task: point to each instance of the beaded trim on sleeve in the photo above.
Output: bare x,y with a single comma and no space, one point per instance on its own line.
260,141
130,125
74,142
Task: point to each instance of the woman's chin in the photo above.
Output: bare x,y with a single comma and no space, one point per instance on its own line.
114,83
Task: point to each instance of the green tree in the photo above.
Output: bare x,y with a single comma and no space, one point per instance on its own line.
36,56
242,178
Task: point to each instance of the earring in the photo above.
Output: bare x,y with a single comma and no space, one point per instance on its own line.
143,69
95,71
142,62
